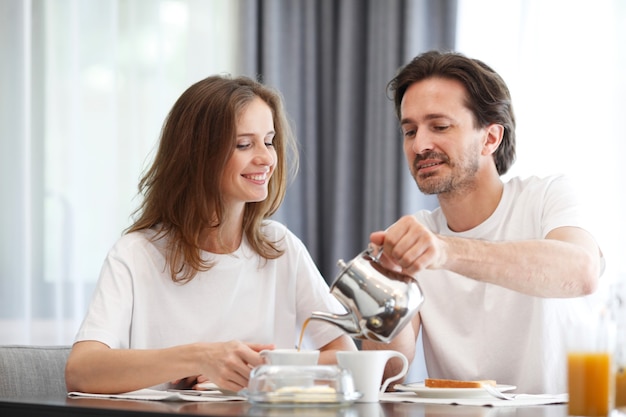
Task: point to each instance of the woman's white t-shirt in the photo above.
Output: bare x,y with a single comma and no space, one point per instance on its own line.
474,330
243,297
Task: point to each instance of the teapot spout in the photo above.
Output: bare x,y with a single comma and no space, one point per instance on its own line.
346,322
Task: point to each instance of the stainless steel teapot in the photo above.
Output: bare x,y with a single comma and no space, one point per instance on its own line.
379,301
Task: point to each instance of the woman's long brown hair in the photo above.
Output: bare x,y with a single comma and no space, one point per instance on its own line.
181,189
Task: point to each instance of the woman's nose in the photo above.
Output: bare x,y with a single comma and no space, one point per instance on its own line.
265,156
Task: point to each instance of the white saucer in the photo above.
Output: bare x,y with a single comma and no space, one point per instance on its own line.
423,391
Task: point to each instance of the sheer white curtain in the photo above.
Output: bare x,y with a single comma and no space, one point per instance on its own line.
564,62
86,86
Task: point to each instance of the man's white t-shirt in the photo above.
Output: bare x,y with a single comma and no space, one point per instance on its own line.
474,330
243,297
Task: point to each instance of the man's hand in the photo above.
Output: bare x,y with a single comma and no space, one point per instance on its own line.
409,247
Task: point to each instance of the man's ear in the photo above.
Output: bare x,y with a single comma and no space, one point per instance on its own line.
493,137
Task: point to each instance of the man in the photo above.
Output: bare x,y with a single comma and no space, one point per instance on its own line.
503,266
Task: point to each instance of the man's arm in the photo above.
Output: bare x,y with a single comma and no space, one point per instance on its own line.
567,263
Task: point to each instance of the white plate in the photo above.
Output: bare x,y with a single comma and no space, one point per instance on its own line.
423,391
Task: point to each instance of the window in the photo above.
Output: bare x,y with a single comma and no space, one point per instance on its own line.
94,81
564,63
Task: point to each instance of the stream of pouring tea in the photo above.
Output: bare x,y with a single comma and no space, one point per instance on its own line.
306,323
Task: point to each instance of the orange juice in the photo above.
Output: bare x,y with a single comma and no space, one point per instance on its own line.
589,383
620,387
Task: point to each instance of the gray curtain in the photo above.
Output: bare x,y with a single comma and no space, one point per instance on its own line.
332,60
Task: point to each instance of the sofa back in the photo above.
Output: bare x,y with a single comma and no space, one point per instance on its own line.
33,371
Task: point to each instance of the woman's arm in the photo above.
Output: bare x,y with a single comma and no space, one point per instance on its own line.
94,367
328,352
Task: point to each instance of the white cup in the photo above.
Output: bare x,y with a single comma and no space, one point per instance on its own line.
367,367
291,357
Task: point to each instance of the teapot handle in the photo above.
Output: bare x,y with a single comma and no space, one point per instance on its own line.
374,252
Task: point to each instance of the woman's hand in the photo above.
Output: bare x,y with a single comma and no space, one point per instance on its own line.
190,382
228,364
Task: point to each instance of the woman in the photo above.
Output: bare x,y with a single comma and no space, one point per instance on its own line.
203,280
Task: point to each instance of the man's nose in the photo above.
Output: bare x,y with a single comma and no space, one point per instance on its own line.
422,142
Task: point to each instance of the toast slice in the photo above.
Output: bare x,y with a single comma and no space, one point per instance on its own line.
455,383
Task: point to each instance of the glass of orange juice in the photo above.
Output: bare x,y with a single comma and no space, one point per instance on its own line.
590,375
620,387
618,309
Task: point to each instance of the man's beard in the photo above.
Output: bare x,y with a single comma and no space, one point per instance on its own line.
460,178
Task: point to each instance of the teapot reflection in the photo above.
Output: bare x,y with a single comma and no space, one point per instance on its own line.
379,301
